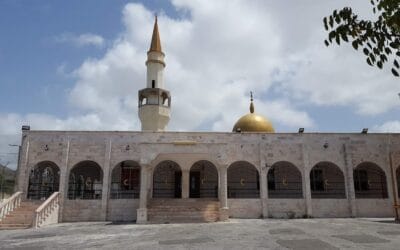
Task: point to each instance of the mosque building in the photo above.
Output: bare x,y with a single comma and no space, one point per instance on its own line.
157,176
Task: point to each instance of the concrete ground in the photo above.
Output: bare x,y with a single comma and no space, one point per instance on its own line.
235,234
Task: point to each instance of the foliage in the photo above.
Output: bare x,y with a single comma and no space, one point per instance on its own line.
379,40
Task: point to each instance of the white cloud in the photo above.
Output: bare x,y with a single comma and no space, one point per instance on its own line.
388,127
80,40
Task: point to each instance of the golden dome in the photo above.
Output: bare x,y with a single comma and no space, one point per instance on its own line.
253,122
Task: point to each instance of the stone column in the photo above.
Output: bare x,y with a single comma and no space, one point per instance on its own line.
264,189
144,188
23,170
223,199
351,196
106,180
64,180
185,183
306,181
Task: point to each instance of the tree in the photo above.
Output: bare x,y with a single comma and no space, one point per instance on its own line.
379,39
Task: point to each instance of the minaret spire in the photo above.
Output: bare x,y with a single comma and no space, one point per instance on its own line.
155,39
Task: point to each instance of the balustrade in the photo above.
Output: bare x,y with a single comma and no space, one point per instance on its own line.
10,204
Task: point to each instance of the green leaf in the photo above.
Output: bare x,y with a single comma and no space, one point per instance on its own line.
331,35
337,39
379,63
396,64
326,23
372,57
395,73
366,51
369,61
326,43
355,44
331,21
344,37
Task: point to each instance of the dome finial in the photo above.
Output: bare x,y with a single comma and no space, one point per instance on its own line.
251,102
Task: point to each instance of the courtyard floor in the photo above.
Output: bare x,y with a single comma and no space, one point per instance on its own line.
235,234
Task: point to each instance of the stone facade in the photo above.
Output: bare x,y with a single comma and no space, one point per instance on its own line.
259,151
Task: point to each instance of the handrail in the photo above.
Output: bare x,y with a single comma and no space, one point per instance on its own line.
44,210
10,204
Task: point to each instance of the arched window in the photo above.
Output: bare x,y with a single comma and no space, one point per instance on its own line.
203,180
284,181
86,181
243,181
125,181
167,180
327,181
44,180
369,181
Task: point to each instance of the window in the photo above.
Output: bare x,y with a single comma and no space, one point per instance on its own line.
317,180
361,180
271,179
153,83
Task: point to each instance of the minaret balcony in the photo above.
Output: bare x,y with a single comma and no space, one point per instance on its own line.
154,96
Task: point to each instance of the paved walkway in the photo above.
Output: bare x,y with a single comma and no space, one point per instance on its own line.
236,234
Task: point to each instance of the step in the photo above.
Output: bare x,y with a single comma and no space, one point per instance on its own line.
181,220
181,212
194,209
14,226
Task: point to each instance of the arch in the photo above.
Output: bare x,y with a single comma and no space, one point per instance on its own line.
284,181
167,180
85,181
243,180
44,179
125,180
203,180
327,181
369,181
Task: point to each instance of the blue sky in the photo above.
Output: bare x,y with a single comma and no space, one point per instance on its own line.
30,55
77,65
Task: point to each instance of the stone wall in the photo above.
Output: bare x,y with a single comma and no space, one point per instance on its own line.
286,208
245,208
374,208
304,151
330,208
122,209
82,210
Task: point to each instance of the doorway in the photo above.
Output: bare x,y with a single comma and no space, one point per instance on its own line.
178,186
194,185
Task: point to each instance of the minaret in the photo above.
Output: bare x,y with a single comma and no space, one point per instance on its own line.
154,100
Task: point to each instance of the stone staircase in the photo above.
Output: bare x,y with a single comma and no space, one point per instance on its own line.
182,210
21,217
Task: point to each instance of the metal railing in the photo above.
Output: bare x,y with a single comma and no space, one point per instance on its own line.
166,193
372,194
10,204
37,191
45,210
243,193
92,194
293,193
205,193
124,194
